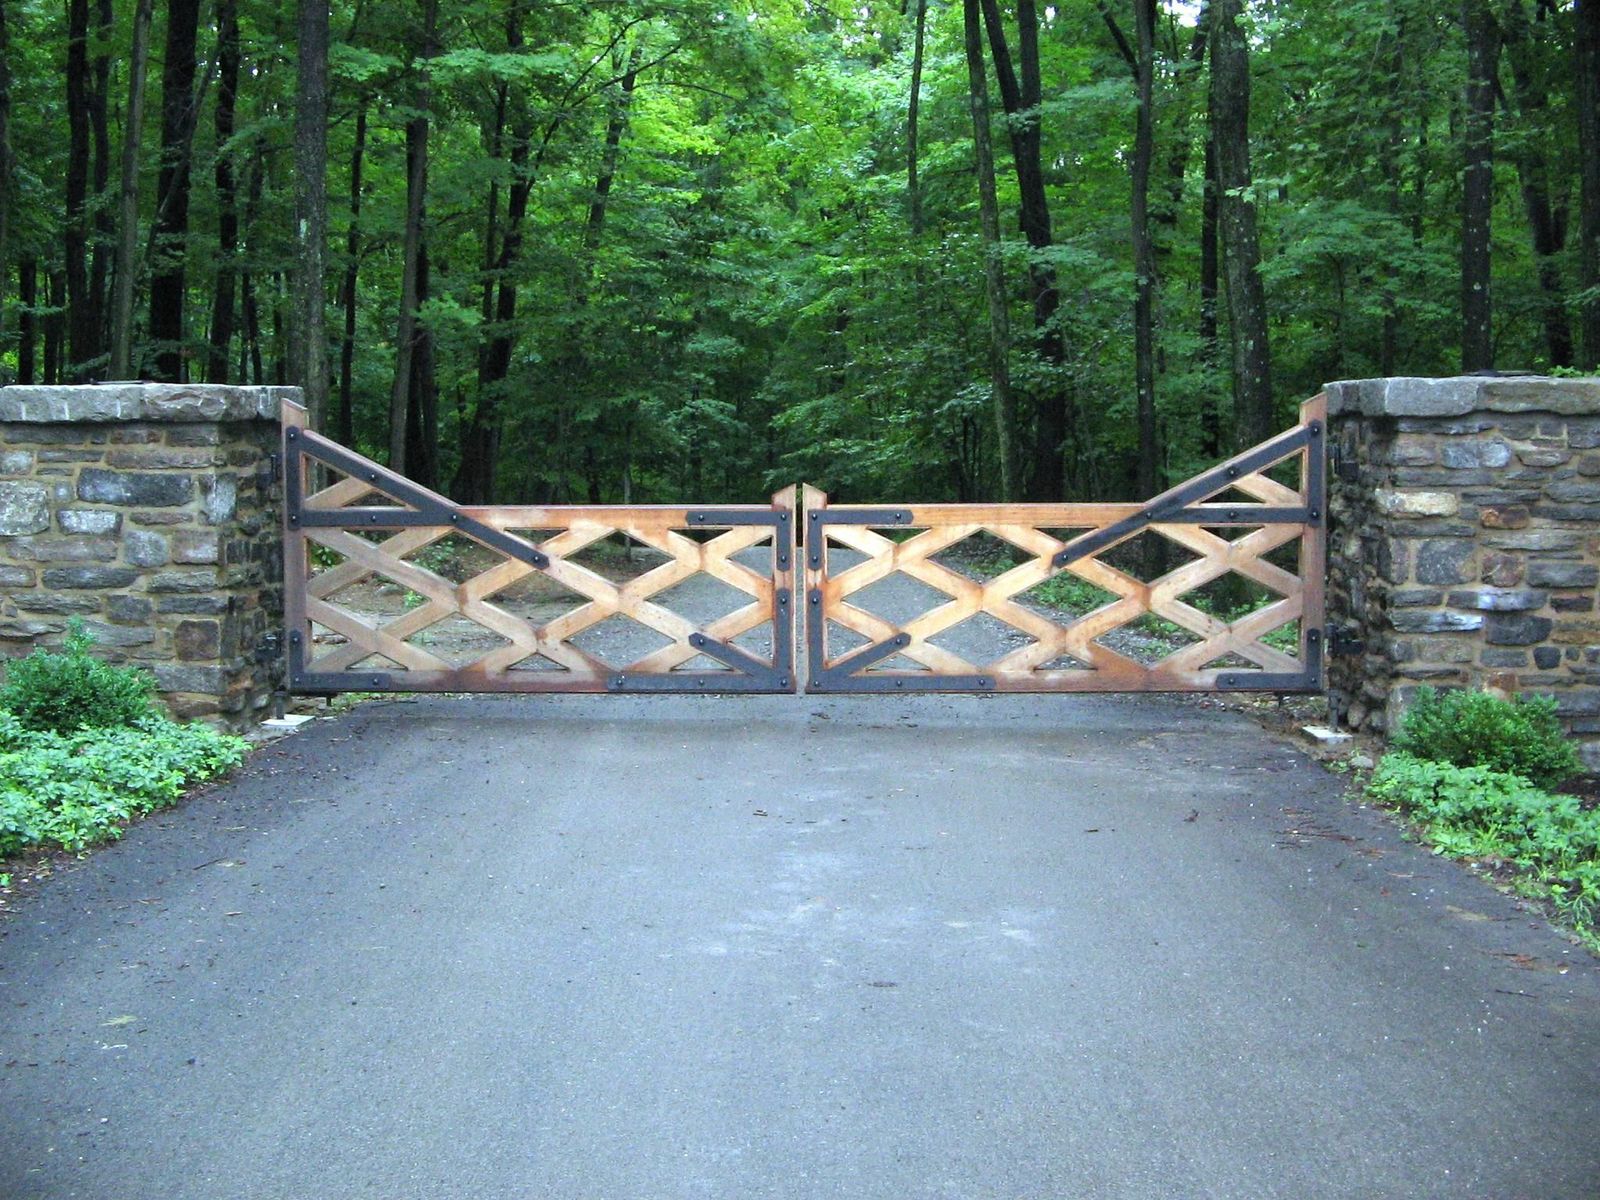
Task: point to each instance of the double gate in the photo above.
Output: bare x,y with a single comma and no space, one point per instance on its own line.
1217,584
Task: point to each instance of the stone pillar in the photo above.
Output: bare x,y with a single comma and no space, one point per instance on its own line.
151,512
1465,542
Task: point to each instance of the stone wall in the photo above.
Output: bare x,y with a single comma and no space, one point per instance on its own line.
1464,546
149,511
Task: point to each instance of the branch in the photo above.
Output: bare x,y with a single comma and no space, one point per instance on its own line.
1116,35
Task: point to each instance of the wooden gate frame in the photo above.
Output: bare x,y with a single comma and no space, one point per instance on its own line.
1180,514
420,517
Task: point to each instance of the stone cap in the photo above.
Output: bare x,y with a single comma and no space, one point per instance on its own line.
103,402
1461,394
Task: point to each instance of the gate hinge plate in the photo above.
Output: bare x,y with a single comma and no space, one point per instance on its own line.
1345,643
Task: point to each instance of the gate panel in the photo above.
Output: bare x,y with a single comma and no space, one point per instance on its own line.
392,587
1164,633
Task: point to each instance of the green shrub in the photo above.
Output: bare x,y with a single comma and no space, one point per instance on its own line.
74,690
1476,729
69,790
1478,812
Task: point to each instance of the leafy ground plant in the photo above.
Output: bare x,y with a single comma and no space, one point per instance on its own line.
1479,729
1473,771
83,750
1548,844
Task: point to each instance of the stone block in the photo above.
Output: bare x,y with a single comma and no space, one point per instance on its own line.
73,549
1417,504
174,677
17,577
1569,604
1500,599
221,498
1547,658
98,486
1516,629
197,546
120,636
47,602
161,458
1444,560
1468,454
193,640
128,608
1500,659
89,520
1542,456
198,605
1537,393
143,548
1556,541
1509,516
183,581
27,631
1544,573
24,508
90,577
1425,621
16,462
1501,570
1573,491
1416,598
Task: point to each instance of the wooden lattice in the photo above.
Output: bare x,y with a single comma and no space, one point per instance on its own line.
1076,652
370,524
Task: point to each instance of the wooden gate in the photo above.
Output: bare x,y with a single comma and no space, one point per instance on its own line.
1217,584
392,587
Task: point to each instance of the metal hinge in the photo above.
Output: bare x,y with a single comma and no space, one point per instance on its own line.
1345,467
1345,643
269,646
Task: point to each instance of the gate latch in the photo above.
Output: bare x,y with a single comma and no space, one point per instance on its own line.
1345,643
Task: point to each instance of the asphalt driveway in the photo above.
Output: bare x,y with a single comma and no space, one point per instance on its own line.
607,947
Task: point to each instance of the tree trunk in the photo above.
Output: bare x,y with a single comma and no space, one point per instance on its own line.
1547,226
222,301
994,263
103,247
422,417
1389,162
344,427
6,172
171,230
27,322
1586,56
1021,98
55,348
311,209
1144,258
913,187
1247,300
480,436
1211,440
1477,190
81,315
128,206
416,195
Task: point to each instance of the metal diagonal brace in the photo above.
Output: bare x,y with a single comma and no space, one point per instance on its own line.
1172,507
427,507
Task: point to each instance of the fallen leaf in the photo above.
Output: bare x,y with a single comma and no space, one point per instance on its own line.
125,1019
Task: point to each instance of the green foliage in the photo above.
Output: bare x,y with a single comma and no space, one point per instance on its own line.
1476,729
70,790
72,689
1480,813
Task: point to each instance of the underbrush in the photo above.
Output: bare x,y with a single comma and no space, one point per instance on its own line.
1474,773
83,750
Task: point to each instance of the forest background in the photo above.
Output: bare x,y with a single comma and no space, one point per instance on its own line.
696,251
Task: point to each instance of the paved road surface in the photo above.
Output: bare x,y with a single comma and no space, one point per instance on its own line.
780,947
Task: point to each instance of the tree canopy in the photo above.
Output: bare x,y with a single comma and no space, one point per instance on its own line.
693,250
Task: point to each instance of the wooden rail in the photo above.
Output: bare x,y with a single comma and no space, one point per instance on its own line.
1078,651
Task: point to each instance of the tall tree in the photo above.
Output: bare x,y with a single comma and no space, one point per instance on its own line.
344,423
994,260
7,189
1477,189
170,230
311,207
913,109
1021,95
223,301
1241,246
1586,60
103,246
1547,226
82,311
416,198
128,205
